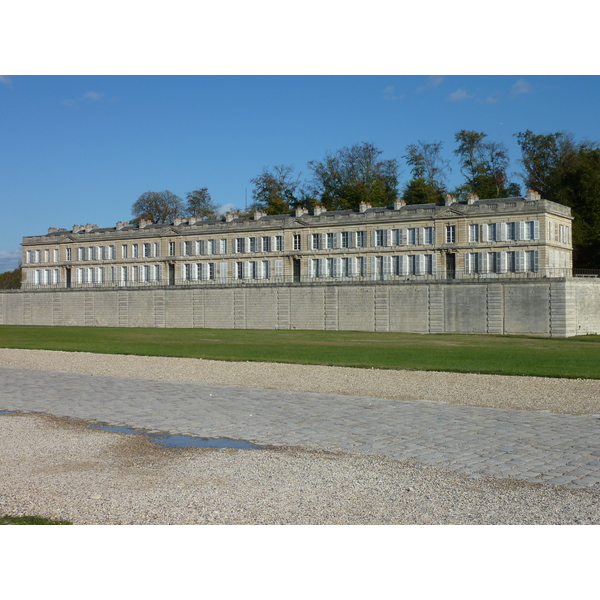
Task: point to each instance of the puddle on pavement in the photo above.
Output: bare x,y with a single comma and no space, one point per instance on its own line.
182,441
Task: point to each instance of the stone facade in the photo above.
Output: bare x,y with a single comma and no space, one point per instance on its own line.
521,237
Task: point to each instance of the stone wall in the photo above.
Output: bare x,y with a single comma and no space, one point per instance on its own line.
558,308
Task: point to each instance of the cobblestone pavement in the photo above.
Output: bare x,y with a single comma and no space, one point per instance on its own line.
534,446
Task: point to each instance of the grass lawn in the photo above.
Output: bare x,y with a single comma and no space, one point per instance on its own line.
577,357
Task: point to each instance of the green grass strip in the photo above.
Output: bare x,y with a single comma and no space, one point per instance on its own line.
10,520
577,357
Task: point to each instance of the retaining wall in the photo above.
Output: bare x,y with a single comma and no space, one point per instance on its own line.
558,308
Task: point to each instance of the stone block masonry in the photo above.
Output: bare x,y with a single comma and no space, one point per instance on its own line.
557,308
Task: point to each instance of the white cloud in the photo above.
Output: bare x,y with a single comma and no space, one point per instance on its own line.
10,260
521,87
493,98
390,94
93,95
433,81
459,95
226,208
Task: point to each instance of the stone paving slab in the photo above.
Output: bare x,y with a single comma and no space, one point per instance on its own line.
535,446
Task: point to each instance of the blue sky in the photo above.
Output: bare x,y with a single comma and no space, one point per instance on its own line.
81,149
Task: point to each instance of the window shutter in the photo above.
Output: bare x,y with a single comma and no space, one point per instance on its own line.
279,268
207,247
352,239
389,237
337,239
484,232
502,232
467,262
352,266
311,267
374,267
536,261
520,261
520,230
433,264
259,269
419,264
322,267
387,265
536,230
373,238
502,262
337,267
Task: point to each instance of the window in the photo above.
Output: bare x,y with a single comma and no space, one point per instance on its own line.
492,232
473,233
80,253
511,231
134,250
330,241
239,246
380,237
147,251
239,268
69,254
345,267
266,244
411,236
493,262
360,239
212,272
428,264
451,234
511,262
412,264
314,241
428,235
189,272
223,246
345,239
47,255
211,247
279,243
531,261
38,256
253,244
297,242
124,250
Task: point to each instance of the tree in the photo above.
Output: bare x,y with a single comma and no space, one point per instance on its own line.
484,165
569,173
353,175
274,191
158,207
11,280
200,205
428,177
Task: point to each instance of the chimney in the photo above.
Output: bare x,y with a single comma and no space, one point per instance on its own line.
533,195
399,203
230,216
121,224
77,228
318,210
52,229
300,210
258,214
363,206
144,223
472,198
450,199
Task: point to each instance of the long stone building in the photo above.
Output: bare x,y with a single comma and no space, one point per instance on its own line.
519,237
501,266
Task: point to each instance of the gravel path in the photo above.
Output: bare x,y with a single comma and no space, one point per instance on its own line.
60,468
565,396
